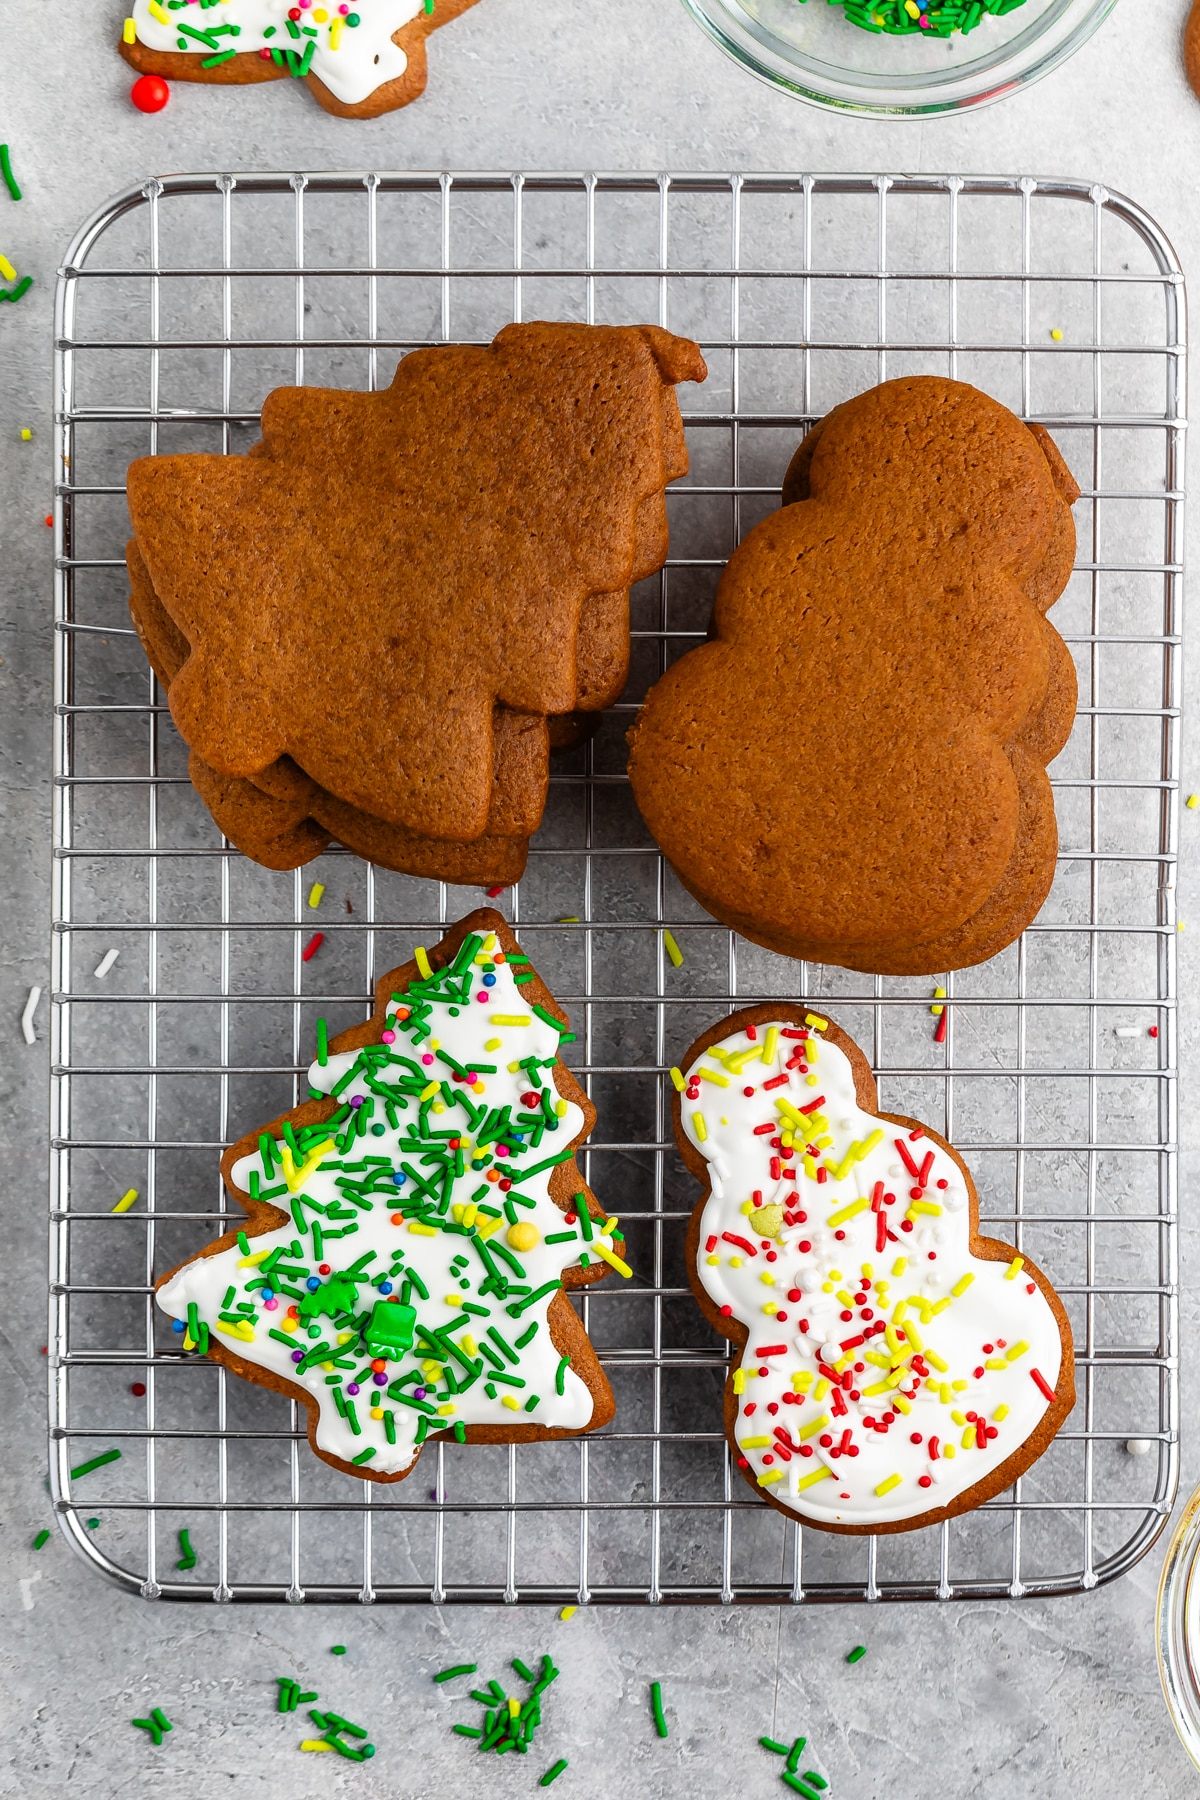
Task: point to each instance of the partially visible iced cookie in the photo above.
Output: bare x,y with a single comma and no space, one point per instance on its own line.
894,1368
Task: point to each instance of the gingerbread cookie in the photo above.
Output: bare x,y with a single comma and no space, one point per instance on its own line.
410,560
359,62
413,1229
852,769
893,1367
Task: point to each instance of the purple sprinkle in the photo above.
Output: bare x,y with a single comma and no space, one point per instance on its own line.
434,1495
380,1380
352,1387
297,1356
418,1393
357,1099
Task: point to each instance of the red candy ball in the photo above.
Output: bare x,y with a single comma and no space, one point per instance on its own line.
149,93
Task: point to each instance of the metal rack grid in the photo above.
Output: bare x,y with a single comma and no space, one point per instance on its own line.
180,304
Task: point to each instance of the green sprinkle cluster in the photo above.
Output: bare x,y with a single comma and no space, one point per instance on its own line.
332,1727
906,18
509,1723
157,1725
809,1785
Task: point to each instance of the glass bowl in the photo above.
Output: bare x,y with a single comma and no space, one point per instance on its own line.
808,48
1179,1628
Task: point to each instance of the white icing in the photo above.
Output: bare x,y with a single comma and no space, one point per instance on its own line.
804,1256
352,60
461,1033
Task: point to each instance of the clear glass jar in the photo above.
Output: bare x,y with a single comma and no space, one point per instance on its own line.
1179,1628
808,48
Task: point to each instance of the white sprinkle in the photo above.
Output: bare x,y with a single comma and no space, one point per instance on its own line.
830,1353
25,1584
1126,1031
1138,1446
105,964
31,1006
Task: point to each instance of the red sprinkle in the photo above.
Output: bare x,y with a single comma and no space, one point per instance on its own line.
731,1237
907,1160
776,1081
138,1388
771,1350
1043,1385
819,1101
763,1130
711,1245
939,1036
752,1034
313,945
493,891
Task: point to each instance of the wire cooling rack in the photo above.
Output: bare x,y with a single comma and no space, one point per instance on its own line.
179,306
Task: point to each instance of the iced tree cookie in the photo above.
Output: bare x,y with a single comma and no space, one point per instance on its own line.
893,1367
413,1228
359,60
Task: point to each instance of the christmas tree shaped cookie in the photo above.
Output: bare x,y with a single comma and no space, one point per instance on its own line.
894,1367
414,1228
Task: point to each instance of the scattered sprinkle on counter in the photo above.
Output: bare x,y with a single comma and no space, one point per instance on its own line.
315,893
673,951
656,1702
95,1462
313,945
1056,334
6,172
157,1725
187,1556
857,1654
508,1723
43,1537
126,1201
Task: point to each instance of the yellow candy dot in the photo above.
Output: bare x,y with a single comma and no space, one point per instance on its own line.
523,1236
377,1412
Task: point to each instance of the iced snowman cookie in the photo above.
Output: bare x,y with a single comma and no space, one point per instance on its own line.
894,1367
414,1227
359,60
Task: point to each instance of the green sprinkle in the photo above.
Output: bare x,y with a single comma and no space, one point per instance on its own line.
560,1375
770,1744
799,1785
10,180
522,1669
817,1781
161,1720
187,1556
458,1669
338,1649
43,1537
467,1731
322,1043
794,1755
150,1725
553,1773
857,1654
95,1462
660,1722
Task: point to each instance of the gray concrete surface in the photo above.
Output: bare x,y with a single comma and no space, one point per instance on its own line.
1039,1700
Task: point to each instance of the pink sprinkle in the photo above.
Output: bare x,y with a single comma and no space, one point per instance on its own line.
427,1059
388,1037
482,996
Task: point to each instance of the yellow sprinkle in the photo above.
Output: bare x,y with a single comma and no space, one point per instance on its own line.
1056,334
335,31
677,1081
422,961
377,1412
252,1262
454,1299
701,1127
880,1387
885,1487
810,1052
929,1207
487,1227
769,1044
711,1075
767,1279
1014,1268
939,1362
568,1612
821,1389
815,1022
157,12
771,1308
315,893
948,1452
879,1361
968,1438
289,1324
493,1043
509,1400
511,1019
911,1334
960,1287
1017,1350
309,1743
868,1270
1000,1414
1192,801
713,1262
927,1311
489,943
243,1329
801,1381
806,1481
735,1262
672,949
755,1443
939,993
419,1230
449,1407
434,1087
126,1201
896,1377
739,1381
960,1387
995,1362
613,1260
900,1403
959,1418
296,1177
899,1266
523,1235
468,1344
129,32
814,1425
844,1297
26,434
891,1340
847,1212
